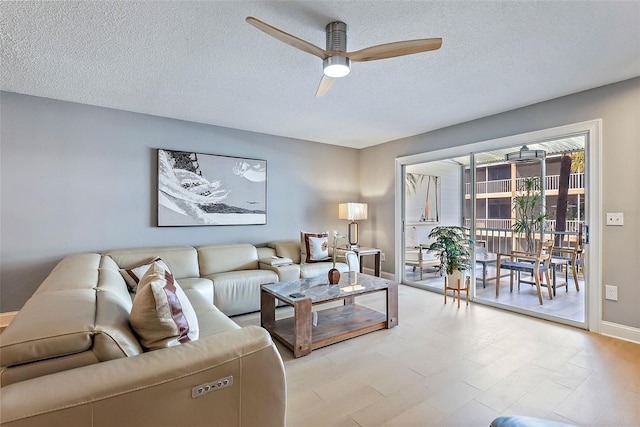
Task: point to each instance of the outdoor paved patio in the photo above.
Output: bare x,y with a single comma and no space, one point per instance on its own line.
567,304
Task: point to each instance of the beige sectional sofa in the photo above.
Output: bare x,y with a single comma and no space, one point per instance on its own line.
290,250
71,357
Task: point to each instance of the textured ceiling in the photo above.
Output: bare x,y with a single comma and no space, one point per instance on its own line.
200,61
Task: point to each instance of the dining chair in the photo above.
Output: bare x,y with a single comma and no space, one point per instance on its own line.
536,263
572,257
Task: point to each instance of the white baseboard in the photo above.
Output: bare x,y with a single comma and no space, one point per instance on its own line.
383,274
6,318
622,332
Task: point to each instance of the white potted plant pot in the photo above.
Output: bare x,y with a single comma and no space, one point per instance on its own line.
452,279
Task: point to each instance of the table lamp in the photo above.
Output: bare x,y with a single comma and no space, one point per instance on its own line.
352,212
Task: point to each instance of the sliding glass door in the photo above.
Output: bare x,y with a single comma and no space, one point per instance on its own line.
482,191
520,204
432,197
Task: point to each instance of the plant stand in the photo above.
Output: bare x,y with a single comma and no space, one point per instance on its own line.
457,289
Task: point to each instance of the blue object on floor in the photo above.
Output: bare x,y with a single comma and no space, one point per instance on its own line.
520,421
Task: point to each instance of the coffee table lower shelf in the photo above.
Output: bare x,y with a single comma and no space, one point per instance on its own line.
333,325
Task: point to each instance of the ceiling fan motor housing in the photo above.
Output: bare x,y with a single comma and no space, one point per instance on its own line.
337,42
337,36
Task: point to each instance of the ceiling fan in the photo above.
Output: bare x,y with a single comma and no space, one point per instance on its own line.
335,59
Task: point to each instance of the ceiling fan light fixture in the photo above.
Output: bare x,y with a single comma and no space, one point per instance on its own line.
336,58
336,66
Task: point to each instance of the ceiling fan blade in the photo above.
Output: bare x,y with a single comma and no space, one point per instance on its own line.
325,84
391,50
288,38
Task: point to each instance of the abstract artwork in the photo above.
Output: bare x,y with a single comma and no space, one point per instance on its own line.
208,189
423,198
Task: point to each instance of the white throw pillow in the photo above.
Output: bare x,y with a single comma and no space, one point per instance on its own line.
133,275
314,247
318,248
162,315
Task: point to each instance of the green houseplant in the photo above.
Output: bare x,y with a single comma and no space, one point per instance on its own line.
452,246
527,206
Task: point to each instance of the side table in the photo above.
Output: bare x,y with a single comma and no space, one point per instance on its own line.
364,251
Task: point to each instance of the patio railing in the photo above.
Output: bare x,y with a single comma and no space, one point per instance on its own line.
576,181
572,225
500,224
505,240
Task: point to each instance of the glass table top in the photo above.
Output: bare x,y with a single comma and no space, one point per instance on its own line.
318,289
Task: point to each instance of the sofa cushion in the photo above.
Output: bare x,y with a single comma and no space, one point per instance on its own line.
78,271
113,337
45,328
314,247
288,249
133,275
200,284
48,337
182,260
237,292
220,258
321,268
265,251
27,371
162,315
211,320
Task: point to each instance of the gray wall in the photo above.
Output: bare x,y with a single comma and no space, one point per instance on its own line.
76,178
618,105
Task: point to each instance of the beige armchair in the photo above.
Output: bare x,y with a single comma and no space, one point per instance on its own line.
419,257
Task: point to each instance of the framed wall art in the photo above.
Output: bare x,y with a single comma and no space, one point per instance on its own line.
209,189
423,198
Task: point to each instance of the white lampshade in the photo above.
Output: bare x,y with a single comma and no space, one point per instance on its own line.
352,211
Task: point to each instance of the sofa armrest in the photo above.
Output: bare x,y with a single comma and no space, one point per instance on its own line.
276,261
155,388
284,272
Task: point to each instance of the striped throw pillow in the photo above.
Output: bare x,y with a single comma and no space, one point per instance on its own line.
133,275
162,315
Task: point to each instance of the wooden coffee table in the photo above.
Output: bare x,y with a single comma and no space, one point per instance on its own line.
302,333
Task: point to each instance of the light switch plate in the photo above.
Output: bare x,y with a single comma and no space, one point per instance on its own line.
615,218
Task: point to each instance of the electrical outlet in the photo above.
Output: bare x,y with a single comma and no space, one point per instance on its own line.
615,218
382,257
611,293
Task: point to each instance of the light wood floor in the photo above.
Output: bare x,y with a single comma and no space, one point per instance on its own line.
445,366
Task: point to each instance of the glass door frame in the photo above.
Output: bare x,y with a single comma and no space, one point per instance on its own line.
592,130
